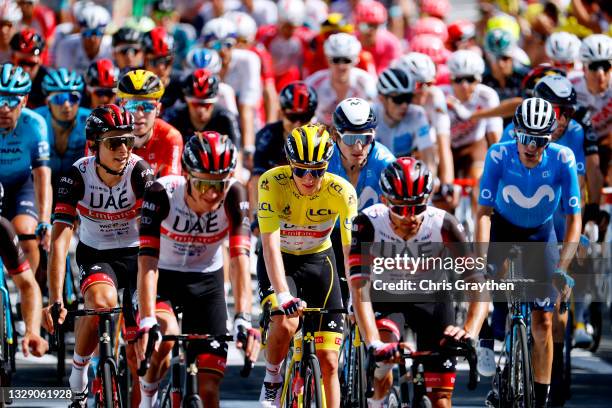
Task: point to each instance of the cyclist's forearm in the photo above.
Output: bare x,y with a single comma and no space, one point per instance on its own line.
594,179
364,312
253,192
573,227
476,314
429,157
147,284
60,241
505,109
446,167
483,227
31,300
241,283
247,124
270,102
43,193
492,138
274,261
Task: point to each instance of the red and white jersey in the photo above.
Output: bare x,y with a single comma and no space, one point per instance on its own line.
466,132
361,85
108,214
599,106
184,241
437,112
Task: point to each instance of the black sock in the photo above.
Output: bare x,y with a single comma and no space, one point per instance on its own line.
541,394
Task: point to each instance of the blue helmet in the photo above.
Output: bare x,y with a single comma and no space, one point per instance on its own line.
203,58
62,80
14,80
353,115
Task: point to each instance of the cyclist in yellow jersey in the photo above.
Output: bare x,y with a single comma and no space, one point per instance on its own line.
298,207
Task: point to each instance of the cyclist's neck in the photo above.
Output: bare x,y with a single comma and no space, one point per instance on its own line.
142,140
111,180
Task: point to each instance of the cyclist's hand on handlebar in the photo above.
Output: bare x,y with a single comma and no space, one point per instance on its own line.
33,343
388,352
563,282
290,305
47,316
456,333
43,232
148,326
247,338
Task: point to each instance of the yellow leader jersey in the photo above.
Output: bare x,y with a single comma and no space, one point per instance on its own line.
305,222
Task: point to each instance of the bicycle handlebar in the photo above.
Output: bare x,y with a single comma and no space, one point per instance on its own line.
311,311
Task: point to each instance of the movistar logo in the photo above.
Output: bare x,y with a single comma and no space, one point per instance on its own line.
497,155
512,191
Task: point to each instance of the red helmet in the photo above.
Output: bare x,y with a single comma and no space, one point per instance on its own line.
209,153
102,73
435,8
370,12
201,84
406,179
430,25
297,97
158,42
107,118
28,41
430,45
461,30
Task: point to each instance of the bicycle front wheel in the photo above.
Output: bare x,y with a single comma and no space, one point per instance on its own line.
521,378
111,393
313,393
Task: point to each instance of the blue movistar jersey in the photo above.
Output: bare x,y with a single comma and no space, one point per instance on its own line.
24,148
368,189
61,163
528,197
572,138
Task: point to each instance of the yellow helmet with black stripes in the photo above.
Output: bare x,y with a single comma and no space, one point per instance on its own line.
309,145
140,84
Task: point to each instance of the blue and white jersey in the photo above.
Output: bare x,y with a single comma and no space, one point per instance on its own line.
572,138
368,188
411,134
22,149
529,197
61,163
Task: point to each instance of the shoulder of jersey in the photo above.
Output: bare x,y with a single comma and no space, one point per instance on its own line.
382,155
171,182
575,127
278,175
562,154
165,129
245,55
29,115
337,186
375,210
485,92
316,78
83,114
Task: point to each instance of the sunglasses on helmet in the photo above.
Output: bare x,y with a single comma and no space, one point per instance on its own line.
401,99
92,32
12,101
315,172
114,143
101,92
351,139
144,106
538,141
60,98
597,65
298,117
408,210
341,60
469,79
203,185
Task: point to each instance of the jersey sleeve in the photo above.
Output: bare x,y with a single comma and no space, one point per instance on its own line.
250,91
491,175
570,188
424,137
142,178
237,210
262,138
229,121
440,119
348,211
579,138
508,133
155,208
359,260
171,161
496,123
39,153
267,213
10,251
70,191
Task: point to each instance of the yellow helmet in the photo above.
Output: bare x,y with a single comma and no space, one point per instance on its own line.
140,84
335,23
505,22
309,145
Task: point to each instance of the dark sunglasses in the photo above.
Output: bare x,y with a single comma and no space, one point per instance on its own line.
298,117
469,79
114,143
408,210
92,32
63,97
567,111
351,139
133,50
166,60
597,65
103,92
538,141
341,60
11,101
203,185
303,171
27,63
400,99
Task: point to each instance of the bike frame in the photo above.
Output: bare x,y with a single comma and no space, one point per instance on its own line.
7,306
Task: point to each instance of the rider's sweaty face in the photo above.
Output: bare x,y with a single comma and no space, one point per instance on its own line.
597,81
8,117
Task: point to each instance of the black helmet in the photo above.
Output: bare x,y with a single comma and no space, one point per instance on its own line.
127,35
556,89
107,118
297,97
209,153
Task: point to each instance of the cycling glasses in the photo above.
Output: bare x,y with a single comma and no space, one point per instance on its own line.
27,63
200,103
165,60
408,210
504,58
203,185
469,79
92,32
351,139
114,143
597,65
316,172
298,117
12,101
538,141
61,98
341,60
128,49
401,99
560,110
218,45
144,106
101,92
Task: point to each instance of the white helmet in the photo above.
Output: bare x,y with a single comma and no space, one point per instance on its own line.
342,45
246,27
218,29
562,47
464,63
291,11
94,16
596,47
10,11
421,66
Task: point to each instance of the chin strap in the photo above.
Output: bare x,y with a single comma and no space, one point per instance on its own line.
109,170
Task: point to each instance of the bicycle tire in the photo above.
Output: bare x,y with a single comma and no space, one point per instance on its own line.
313,392
521,376
5,369
111,393
166,397
360,373
344,369
596,320
192,401
393,399
125,377
567,356
288,398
